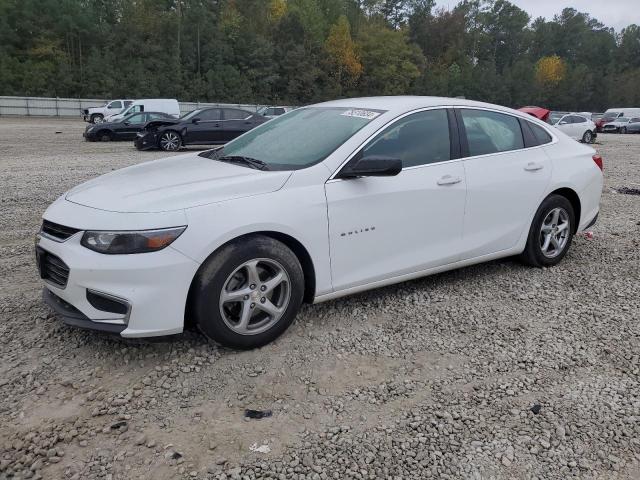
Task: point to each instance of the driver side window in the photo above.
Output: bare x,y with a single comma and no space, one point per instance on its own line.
417,139
135,119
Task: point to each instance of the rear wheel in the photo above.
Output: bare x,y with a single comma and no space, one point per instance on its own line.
170,141
551,233
587,137
248,293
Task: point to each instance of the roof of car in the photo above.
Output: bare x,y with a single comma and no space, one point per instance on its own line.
405,103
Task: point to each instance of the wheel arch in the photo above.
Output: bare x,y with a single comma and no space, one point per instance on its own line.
170,129
574,199
299,250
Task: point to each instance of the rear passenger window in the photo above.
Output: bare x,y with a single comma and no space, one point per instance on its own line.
540,134
211,114
491,132
416,139
234,114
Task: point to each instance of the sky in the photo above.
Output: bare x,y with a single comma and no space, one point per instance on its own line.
613,13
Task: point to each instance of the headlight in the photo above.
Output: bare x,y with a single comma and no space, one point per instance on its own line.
90,129
121,243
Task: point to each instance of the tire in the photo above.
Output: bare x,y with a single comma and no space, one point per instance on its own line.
534,254
104,136
623,130
222,292
97,118
170,141
587,137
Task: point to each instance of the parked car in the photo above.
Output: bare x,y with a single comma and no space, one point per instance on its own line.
577,127
616,125
555,117
273,112
612,114
98,114
326,201
205,126
125,129
537,112
170,106
632,127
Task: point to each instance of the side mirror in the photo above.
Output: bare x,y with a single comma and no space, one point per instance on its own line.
127,123
564,122
195,120
373,166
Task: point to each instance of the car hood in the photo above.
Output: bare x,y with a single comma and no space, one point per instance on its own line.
174,183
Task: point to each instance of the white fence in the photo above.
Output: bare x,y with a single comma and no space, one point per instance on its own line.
72,107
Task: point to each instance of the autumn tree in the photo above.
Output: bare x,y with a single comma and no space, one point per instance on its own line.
550,71
342,54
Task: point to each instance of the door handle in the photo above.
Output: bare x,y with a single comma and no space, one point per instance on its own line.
533,166
449,180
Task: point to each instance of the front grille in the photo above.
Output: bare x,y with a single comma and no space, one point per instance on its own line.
57,231
52,268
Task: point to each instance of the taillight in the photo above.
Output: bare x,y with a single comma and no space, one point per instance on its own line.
598,160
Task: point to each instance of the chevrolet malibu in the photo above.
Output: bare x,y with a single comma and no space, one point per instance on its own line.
322,202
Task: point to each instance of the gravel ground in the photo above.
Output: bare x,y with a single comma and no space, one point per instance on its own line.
493,371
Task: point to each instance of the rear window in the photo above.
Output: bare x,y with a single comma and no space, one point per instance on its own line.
491,132
540,134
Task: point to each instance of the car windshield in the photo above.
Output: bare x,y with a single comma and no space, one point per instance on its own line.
298,139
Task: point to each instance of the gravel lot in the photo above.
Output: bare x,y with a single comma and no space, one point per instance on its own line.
434,378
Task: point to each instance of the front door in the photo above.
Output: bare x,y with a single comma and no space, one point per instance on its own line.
505,181
383,227
207,128
127,129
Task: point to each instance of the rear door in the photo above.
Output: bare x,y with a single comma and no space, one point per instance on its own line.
505,181
236,122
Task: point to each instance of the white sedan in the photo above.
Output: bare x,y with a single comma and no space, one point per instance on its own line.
324,201
577,127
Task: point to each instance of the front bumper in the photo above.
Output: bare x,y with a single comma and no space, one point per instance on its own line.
89,136
154,286
74,317
146,141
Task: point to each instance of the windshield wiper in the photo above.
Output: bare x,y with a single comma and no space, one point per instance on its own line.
250,162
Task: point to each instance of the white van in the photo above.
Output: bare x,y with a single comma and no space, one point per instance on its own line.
169,106
613,113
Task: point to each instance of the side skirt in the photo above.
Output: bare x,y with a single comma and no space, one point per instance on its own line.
414,275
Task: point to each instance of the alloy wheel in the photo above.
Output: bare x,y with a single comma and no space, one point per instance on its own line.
255,296
554,232
170,141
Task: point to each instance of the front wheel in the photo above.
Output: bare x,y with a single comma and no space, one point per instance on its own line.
97,118
623,130
170,141
105,136
248,293
551,233
587,137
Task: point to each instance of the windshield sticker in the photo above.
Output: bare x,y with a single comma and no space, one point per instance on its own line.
366,114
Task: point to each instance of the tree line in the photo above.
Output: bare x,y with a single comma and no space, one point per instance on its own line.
302,51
